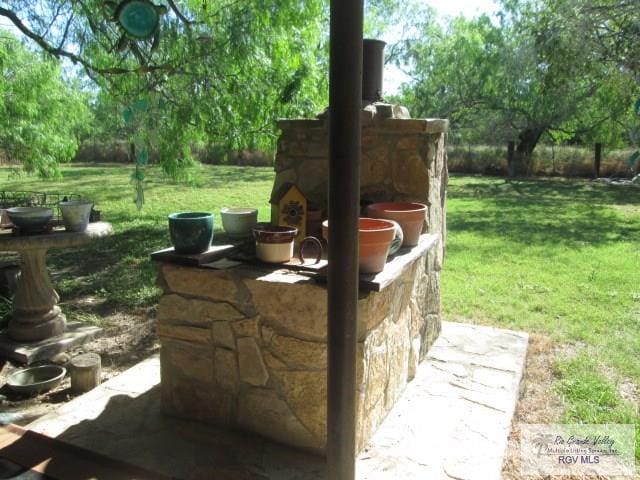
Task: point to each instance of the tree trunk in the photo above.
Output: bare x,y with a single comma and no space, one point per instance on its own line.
527,141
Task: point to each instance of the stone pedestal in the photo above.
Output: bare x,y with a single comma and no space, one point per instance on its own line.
36,315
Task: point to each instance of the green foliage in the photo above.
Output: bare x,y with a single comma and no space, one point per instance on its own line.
519,79
590,397
453,67
41,116
218,76
635,156
220,73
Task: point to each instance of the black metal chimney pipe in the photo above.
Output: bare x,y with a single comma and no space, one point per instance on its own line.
372,69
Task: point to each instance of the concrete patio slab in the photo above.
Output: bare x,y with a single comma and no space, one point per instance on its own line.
452,422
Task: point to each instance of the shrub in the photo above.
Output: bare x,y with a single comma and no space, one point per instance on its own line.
116,152
566,161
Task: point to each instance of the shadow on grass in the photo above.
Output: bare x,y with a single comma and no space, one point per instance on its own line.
569,190
117,267
543,212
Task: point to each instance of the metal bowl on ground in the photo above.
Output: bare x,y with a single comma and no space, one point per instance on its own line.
34,380
30,219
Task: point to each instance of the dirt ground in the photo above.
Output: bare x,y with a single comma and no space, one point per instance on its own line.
128,339
537,403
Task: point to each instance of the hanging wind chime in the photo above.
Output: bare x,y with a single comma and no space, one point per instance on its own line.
139,20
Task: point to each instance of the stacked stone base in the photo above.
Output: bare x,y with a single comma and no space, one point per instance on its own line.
247,348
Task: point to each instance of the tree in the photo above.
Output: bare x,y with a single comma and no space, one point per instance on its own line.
611,30
219,72
41,116
525,77
453,69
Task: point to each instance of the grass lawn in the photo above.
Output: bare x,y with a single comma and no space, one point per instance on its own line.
558,258
553,257
118,268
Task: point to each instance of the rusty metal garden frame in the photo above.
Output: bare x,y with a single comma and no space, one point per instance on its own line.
345,102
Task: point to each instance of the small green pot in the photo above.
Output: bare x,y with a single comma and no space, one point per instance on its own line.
191,232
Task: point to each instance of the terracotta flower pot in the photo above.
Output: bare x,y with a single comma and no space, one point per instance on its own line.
374,239
274,244
410,215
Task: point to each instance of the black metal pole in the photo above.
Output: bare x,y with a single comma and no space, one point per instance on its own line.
345,102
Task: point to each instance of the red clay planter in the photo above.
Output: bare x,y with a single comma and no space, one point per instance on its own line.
375,237
409,215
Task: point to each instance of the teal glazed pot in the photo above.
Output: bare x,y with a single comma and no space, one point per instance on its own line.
191,232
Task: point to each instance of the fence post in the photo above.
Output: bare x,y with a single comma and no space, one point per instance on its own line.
597,159
511,150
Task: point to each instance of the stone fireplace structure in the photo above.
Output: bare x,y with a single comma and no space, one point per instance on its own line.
403,159
246,346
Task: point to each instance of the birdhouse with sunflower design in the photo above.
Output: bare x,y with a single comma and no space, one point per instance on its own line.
289,208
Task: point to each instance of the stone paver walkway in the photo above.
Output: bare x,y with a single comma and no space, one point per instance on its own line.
454,418
451,423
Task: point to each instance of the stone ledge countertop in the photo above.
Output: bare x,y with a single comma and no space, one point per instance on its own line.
278,273
369,119
57,238
246,345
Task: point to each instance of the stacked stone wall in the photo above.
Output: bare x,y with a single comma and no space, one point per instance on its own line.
247,349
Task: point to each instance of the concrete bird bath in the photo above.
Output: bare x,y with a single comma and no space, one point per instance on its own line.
36,314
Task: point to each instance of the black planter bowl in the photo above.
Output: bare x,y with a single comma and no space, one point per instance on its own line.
35,380
191,232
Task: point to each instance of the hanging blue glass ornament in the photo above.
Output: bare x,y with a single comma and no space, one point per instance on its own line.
139,18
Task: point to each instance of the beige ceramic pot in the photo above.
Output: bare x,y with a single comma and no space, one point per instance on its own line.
374,239
238,222
410,215
274,244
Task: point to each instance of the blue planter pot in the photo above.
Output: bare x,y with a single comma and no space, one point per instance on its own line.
191,232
